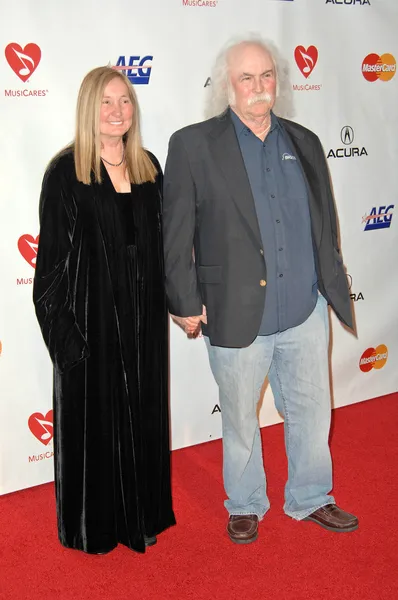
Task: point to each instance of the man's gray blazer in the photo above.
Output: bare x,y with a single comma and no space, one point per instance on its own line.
209,208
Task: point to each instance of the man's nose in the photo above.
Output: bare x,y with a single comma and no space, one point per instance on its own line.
258,85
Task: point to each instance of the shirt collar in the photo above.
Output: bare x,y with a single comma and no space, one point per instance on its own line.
240,127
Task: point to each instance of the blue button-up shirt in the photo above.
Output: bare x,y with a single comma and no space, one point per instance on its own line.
281,202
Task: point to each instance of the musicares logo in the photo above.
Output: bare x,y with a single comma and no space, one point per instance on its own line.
42,426
24,62
206,3
306,59
28,245
373,358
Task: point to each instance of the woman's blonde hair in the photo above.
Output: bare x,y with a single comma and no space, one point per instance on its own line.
87,144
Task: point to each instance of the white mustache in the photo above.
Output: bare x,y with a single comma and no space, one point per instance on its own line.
265,97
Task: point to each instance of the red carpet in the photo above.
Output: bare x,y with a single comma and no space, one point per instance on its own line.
195,560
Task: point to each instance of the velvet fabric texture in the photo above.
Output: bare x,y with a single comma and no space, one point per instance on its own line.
100,302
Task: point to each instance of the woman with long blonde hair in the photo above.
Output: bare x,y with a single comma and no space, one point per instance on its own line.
100,302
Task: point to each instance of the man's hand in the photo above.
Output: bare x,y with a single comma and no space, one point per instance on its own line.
191,325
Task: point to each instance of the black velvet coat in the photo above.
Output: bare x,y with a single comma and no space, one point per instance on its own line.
100,301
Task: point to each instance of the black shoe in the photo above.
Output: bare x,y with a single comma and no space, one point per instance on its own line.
150,541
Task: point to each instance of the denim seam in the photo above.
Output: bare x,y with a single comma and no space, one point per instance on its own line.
286,415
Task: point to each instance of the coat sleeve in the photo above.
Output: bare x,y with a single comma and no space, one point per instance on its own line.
179,214
52,295
325,176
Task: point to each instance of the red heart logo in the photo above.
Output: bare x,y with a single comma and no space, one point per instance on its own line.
23,61
27,245
306,59
42,426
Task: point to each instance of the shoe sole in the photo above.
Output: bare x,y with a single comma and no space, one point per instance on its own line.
249,541
335,529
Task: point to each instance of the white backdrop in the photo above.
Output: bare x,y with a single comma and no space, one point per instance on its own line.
50,46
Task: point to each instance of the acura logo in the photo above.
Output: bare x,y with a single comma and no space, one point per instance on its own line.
354,297
347,135
348,150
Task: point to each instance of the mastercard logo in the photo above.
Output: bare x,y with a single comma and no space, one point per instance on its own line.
373,358
379,67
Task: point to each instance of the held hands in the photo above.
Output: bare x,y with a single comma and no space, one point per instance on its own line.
191,325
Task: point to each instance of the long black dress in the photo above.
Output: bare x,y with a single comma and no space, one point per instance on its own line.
100,301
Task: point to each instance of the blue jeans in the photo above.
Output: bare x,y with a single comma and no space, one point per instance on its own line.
296,362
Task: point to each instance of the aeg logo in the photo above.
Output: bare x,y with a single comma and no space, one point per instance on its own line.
379,218
137,69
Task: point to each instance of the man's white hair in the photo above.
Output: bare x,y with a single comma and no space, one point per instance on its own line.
221,94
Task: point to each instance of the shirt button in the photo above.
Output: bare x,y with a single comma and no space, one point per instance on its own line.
278,220
268,169
272,195
280,249
280,274
261,252
263,283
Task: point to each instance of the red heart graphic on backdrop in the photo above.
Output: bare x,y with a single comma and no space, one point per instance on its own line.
306,59
27,245
42,426
23,61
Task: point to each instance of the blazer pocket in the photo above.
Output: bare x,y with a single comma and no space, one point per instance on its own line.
210,274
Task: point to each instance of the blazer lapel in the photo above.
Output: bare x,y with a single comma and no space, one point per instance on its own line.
227,156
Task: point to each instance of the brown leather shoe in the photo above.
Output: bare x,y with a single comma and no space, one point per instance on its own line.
243,529
331,517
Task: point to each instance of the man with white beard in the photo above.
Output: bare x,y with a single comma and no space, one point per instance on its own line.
250,193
